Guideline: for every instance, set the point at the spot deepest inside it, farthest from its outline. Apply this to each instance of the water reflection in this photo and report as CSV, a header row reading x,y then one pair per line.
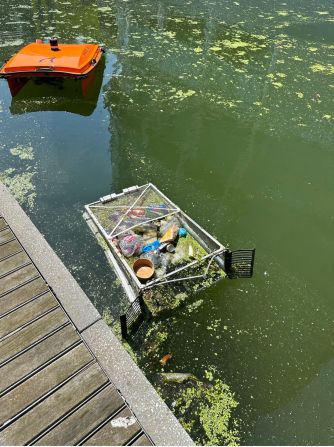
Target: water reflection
x,y
78,96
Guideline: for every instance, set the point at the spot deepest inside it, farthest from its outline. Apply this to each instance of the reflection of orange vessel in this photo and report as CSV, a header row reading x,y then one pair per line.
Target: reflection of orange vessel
x,y
51,94
50,59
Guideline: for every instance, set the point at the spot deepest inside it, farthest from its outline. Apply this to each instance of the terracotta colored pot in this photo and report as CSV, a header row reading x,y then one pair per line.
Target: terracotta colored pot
x,y
143,268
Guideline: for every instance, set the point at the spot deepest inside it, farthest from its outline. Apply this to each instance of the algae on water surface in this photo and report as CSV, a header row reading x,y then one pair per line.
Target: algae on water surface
x,y
206,410
205,407
20,185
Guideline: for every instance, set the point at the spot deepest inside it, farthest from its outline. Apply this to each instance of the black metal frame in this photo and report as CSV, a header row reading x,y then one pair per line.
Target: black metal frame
x,y
239,263
133,318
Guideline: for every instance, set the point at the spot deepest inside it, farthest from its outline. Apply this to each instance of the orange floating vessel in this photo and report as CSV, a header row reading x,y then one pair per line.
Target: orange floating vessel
x,y
52,59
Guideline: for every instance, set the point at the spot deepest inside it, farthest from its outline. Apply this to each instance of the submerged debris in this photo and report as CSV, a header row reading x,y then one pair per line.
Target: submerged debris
x,y
166,358
178,377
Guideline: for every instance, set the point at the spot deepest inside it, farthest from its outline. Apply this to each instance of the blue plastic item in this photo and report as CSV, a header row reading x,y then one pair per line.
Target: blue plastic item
x,y
161,205
182,232
150,247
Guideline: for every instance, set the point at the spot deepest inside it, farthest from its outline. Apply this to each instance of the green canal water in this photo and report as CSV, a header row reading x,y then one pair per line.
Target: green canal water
x,y
227,106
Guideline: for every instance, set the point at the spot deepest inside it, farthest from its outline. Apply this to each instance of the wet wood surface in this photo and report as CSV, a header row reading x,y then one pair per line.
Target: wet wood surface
x,y
52,389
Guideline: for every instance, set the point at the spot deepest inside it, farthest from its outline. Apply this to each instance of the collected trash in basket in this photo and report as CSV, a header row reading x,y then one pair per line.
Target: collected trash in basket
x,y
158,252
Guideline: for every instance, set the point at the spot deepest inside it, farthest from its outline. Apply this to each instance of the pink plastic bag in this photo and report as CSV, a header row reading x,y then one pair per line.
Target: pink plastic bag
x,y
131,245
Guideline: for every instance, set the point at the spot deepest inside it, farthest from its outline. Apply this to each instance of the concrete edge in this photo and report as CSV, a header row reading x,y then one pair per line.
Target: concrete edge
x,y
156,418
153,414
75,302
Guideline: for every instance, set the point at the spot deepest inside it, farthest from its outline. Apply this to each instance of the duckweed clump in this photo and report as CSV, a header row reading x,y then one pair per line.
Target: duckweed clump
x,y
207,411
23,152
20,185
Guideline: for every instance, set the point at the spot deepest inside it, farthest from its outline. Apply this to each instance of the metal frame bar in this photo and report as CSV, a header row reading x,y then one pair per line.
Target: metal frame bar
x,y
163,195
112,247
125,283
111,197
145,222
131,207
186,278
191,264
213,239
125,206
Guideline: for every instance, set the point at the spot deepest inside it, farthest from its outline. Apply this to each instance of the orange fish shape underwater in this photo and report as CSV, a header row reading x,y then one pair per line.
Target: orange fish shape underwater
x,y
165,358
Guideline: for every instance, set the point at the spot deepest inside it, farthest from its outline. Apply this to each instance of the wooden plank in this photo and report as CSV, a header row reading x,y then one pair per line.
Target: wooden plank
x,y
142,440
17,342
13,263
3,223
93,413
113,433
17,278
6,235
38,419
44,381
38,355
30,311
24,293
9,248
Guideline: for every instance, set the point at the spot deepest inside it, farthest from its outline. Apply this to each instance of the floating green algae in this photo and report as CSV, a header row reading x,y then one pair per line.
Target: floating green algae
x,y
322,68
180,95
107,317
277,84
207,411
205,408
23,152
240,62
235,44
20,185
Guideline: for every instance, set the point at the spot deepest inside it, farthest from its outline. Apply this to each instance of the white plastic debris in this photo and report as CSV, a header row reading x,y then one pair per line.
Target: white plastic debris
x,y
123,422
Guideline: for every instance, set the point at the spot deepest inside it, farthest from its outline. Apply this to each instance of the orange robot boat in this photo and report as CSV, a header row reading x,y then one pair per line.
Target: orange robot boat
x,y
52,59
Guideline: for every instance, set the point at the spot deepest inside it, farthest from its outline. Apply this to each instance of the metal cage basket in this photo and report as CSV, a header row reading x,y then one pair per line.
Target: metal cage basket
x,y
138,207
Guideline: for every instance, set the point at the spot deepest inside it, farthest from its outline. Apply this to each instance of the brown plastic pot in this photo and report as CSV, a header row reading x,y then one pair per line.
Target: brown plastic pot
x,y
144,269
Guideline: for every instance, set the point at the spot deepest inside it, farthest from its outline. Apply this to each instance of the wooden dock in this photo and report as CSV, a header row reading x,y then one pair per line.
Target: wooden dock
x,y
53,390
